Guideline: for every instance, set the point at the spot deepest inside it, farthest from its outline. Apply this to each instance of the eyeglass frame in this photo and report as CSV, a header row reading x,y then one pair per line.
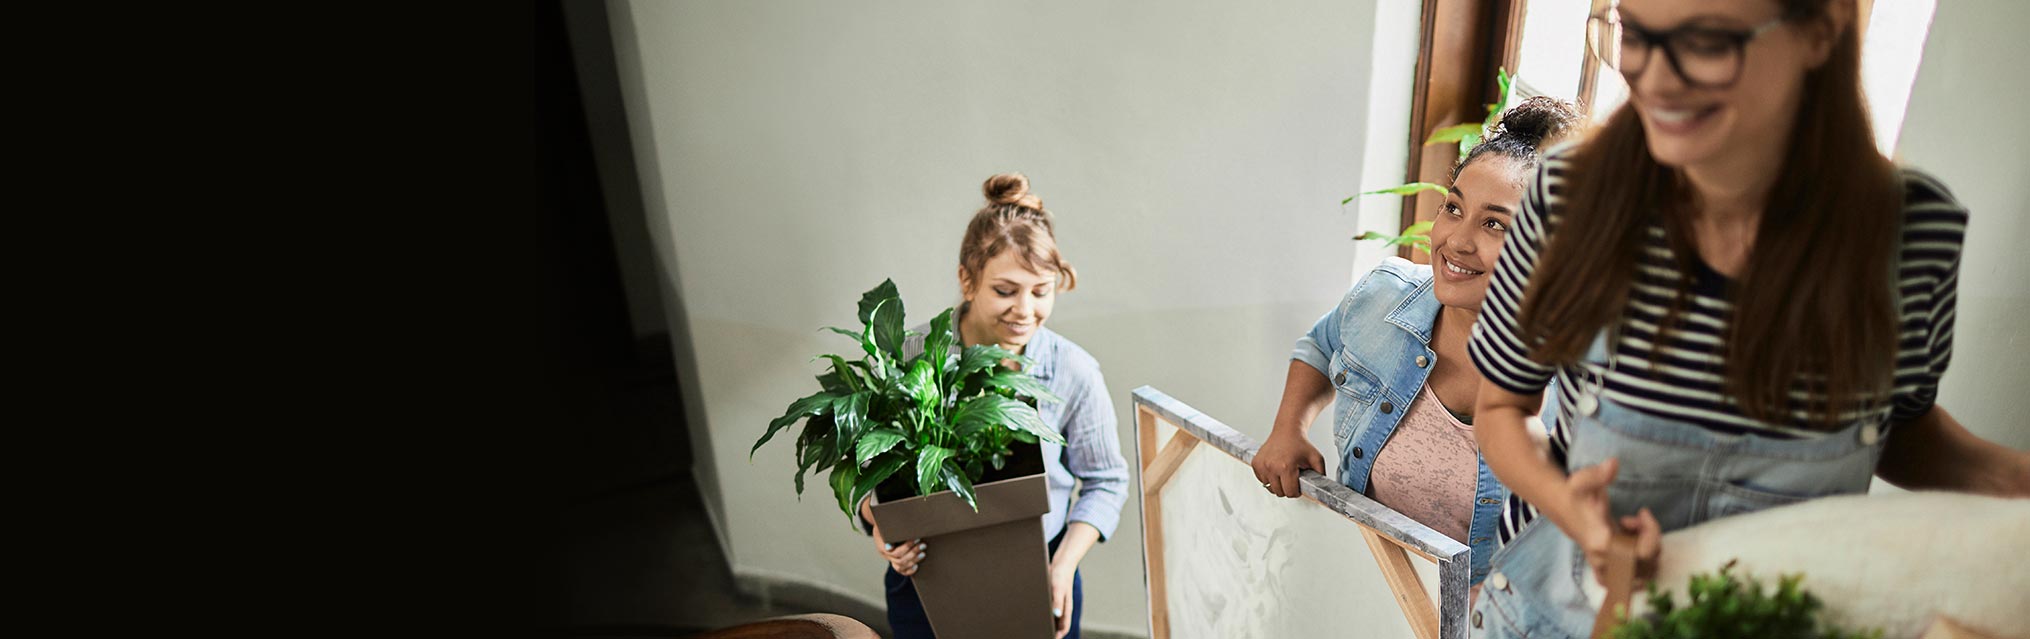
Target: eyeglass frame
x,y
1654,39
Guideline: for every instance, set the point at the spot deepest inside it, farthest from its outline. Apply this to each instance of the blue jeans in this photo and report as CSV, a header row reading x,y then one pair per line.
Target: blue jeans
x,y
907,620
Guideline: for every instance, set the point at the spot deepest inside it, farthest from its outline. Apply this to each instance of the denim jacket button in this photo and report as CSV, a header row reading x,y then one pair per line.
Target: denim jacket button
x,y
1498,580
1388,407
1423,361
1489,501
1357,452
1476,619
1339,379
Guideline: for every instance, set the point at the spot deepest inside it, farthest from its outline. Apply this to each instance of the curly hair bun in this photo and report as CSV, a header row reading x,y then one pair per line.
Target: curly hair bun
x,y
1538,118
1011,188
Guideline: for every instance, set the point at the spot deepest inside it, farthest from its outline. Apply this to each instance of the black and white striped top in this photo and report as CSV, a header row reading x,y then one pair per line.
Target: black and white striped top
x,y
1681,378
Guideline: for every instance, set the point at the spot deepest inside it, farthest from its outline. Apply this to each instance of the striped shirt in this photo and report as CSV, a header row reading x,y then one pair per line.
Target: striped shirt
x,y
1681,378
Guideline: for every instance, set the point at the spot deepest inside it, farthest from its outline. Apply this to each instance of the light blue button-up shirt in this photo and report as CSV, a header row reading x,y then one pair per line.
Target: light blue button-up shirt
x,y
1089,462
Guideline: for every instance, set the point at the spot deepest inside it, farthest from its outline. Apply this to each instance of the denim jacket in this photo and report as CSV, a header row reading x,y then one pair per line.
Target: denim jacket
x,y
1375,350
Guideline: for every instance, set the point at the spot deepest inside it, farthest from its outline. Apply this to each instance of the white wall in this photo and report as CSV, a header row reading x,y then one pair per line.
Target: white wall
x,y
1965,125
794,154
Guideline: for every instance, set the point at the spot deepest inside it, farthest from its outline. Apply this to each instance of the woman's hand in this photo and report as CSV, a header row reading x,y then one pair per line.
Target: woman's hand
x,y
905,558
1587,521
1061,580
1280,459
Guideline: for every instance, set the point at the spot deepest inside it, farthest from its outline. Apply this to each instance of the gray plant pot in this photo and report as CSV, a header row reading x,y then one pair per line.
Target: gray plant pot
x,y
990,578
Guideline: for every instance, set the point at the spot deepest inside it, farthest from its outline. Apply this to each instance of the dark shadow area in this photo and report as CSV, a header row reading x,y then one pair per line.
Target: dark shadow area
x,y
637,555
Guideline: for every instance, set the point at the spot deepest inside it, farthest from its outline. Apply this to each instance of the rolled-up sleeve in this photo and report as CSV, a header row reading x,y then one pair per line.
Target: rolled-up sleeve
x,y
1316,347
1093,454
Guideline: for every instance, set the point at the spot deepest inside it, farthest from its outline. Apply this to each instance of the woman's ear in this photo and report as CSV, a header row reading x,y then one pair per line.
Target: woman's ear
x,y
965,283
1823,34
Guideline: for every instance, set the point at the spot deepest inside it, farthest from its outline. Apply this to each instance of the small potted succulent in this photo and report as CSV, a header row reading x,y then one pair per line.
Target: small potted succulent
x,y
946,441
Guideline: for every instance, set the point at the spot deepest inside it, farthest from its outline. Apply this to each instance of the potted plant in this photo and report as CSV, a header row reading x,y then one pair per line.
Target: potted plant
x,y
1723,606
947,442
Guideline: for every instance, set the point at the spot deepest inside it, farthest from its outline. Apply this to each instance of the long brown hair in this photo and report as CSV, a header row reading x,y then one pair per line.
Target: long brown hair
x,y
1812,313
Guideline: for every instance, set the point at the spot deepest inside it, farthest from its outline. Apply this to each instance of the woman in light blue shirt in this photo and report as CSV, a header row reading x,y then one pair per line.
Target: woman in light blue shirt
x,y
1010,272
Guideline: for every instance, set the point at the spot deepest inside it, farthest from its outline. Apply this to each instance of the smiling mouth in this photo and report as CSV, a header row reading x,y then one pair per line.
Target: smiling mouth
x,y
1018,327
1680,117
1455,268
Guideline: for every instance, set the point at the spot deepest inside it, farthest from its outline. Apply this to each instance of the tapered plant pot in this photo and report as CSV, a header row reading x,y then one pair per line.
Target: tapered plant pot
x,y
989,578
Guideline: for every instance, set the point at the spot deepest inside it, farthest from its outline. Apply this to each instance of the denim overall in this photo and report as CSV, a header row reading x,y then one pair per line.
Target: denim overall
x,y
1683,473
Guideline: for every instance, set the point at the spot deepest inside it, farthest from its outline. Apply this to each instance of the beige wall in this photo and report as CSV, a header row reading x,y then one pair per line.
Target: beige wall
x,y
794,154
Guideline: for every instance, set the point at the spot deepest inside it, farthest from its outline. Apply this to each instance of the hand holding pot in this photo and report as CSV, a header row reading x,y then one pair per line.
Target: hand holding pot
x,y
906,557
1061,601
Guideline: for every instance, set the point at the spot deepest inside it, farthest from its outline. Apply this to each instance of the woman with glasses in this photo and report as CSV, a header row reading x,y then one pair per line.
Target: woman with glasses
x,y
1743,304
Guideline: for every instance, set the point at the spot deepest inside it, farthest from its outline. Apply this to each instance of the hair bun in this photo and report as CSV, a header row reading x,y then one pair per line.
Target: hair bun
x,y
1011,188
1538,118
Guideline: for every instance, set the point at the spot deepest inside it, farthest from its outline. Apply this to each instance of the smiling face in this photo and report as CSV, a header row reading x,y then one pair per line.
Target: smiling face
x,y
1007,302
1467,235
1744,123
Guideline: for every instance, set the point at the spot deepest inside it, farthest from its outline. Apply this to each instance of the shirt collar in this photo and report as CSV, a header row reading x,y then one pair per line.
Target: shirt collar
x,y
1418,311
1042,352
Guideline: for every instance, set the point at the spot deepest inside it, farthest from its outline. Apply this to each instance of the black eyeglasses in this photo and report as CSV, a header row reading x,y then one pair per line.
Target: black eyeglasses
x,y
1705,57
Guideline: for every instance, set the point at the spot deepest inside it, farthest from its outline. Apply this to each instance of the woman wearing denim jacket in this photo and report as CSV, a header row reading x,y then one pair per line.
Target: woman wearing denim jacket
x,y
1393,354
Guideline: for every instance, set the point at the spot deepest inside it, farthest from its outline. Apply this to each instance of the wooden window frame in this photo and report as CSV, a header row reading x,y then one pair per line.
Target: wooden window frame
x,y
1455,81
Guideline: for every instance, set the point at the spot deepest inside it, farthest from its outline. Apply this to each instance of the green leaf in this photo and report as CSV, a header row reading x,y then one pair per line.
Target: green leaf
x,y
987,411
867,343
876,442
843,479
1412,188
1420,228
1466,145
983,357
842,376
887,327
876,473
885,291
937,344
815,404
958,483
1454,133
1504,81
1022,384
921,384
929,466
848,415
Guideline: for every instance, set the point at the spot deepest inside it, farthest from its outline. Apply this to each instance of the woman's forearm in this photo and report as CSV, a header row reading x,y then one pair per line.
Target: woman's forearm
x,y
1079,538
1935,452
1512,454
1305,393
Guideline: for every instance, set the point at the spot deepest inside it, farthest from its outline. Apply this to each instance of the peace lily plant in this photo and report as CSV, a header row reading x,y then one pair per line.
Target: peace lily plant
x,y
934,421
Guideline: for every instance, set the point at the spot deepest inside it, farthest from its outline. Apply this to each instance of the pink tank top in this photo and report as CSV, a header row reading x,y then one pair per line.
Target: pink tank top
x,y
1428,468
